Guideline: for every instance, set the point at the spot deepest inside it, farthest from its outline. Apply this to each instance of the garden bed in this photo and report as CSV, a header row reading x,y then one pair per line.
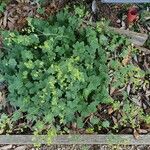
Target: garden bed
x,y
60,73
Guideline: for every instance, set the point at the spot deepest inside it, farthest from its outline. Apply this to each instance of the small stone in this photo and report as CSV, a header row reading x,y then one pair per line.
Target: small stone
x,y
124,17
7,147
118,21
21,148
123,24
94,6
123,28
141,147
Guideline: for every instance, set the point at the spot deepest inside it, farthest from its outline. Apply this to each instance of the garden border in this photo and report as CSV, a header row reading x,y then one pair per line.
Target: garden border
x,y
125,139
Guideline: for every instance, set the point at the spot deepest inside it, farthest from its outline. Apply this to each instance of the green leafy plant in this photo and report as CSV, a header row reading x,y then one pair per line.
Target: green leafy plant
x,y
131,115
56,71
2,7
5,124
106,124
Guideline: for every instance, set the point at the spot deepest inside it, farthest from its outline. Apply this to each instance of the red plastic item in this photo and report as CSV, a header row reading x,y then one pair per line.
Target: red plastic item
x,y
132,15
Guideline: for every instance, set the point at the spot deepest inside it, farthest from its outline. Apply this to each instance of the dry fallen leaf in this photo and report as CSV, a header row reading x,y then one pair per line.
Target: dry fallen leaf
x,y
11,20
136,134
10,25
14,15
94,6
110,110
74,125
112,90
142,131
114,120
1,22
2,98
5,19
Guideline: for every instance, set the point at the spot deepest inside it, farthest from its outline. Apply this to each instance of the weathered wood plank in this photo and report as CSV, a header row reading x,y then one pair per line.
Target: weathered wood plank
x,y
75,139
125,1
134,37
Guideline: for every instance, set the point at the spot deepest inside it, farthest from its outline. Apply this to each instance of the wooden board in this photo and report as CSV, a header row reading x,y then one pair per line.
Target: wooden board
x,y
125,1
136,38
76,139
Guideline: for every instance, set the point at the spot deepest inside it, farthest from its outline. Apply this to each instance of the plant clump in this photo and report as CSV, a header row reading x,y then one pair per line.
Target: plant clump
x,y
60,72
56,70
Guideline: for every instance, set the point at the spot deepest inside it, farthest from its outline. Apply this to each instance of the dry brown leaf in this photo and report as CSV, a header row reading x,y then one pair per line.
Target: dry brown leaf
x,y
145,126
26,8
148,93
5,19
15,14
10,12
21,21
1,22
19,11
112,90
136,134
146,65
119,115
74,125
2,98
26,13
10,25
142,131
99,107
114,120
110,110
11,20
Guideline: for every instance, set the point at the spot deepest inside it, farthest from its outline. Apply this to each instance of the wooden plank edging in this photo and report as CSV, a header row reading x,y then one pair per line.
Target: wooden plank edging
x,y
75,139
134,37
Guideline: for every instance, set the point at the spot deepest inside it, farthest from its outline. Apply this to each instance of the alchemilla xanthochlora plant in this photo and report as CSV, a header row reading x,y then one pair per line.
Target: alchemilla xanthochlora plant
x,y
56,70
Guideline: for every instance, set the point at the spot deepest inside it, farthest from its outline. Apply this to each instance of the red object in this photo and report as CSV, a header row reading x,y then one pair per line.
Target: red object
x,y
132,15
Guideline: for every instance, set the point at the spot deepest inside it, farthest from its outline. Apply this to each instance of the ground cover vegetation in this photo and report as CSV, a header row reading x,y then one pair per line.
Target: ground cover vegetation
x,y
63,75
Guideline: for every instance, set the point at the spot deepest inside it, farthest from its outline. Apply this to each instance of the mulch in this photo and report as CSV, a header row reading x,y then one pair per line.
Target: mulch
x,y
15,15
